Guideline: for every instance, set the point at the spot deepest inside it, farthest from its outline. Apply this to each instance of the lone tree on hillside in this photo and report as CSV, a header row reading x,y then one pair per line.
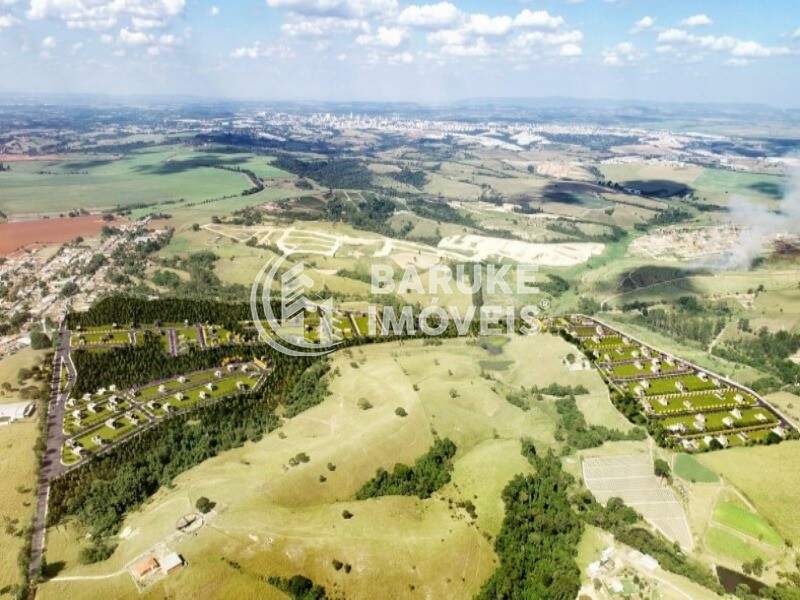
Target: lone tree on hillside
x,y
204,505
661,468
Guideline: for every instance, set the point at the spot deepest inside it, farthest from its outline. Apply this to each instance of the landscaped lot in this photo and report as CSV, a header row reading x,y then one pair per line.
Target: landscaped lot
x,y
133,409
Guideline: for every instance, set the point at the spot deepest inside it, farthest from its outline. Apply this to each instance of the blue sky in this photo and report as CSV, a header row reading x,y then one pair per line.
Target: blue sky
x,y
701,50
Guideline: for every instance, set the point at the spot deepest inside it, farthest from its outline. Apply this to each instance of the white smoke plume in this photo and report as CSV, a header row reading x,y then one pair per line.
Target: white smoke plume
x,y
761,224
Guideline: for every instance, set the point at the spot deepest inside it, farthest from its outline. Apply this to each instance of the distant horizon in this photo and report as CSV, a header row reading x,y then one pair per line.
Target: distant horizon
x,y
432,52
543,100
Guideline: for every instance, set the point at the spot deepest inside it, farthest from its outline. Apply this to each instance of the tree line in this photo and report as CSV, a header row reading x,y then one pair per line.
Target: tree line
x,y
429,473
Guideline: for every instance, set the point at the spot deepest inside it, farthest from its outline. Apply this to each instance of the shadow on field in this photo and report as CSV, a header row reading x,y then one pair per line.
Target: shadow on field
x,y
171,167
52,569
85,165
576,193
652,275
767,188
660,188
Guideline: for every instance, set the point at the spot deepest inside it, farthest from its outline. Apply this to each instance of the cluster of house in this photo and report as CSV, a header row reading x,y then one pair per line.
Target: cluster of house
x,y
611,564
651,364
106,400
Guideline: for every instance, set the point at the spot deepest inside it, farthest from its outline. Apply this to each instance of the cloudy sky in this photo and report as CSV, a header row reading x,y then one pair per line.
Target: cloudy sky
x,y
681,50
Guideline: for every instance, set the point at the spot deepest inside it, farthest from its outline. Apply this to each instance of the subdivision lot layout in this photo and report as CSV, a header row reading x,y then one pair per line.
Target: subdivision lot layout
x,y
631,478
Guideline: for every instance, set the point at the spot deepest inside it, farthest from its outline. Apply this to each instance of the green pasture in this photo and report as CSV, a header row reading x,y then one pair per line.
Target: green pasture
x,y
687,467
735,516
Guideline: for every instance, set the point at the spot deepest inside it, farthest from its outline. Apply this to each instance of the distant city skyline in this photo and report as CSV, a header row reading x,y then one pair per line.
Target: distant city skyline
x,y
390,50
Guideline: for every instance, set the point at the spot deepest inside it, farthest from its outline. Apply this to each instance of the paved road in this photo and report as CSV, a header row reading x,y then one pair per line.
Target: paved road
x,y
51,465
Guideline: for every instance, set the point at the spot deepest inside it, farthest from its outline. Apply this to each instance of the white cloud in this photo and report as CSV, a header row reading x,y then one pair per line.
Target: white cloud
x,y
258,50
697,21
338,8
49,42
213,11
570,50
737,62
526,40
478,49
141,23
485,25
622,53
7,21
388,37
403,58
429,16
153,51
452,37
76,47
725,43
321,26
796,33
642,24
103,14
133,38
107,38
752,49
538,19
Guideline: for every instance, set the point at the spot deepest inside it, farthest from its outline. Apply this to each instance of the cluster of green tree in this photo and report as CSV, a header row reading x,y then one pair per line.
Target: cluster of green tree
x,y
244,141
298,587
127,366
248,216
411,177
588,306
598,142
579,435
372,214
766,351
670,216
102,491
441,212
311,389
539,537
39,339
612,233
12,323
429,473
332,173
621,520
94,264
682,324
557,389
135,311
555,285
